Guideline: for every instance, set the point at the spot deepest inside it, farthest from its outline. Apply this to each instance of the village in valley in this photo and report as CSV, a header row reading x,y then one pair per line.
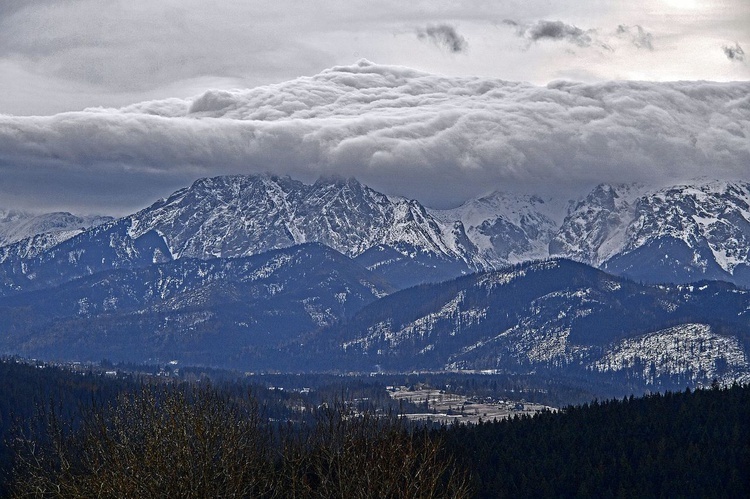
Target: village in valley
x,y
441,406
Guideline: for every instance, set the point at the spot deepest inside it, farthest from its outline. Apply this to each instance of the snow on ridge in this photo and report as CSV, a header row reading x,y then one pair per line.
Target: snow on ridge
x,y
16,226
242,215
510,205
712,213
507,228
686,349
613,220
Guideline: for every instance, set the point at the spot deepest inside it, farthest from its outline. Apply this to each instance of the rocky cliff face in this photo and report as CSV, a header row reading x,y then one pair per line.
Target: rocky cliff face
x,y
688,232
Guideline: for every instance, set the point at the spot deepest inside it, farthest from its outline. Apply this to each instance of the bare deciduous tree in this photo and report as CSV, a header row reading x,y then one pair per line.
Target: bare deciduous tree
x,y
192,441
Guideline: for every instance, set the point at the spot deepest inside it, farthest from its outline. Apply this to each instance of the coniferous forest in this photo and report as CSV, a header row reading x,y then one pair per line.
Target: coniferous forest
x,y
68,434
685,444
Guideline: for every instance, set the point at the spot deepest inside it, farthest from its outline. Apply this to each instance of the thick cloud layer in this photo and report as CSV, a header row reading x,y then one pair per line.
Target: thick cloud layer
x,y
438,139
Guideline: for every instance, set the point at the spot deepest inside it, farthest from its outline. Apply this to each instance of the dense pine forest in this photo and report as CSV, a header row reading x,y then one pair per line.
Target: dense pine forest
x,y
686,444
89,434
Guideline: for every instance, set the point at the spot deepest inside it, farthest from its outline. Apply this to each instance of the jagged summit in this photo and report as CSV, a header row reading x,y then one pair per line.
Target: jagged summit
x,y
704,228
240,215
595,226
507,227
243,215
679,233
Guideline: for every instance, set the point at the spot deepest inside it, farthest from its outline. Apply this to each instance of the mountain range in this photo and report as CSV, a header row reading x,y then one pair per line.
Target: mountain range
x,y
560,315
678,233
266,272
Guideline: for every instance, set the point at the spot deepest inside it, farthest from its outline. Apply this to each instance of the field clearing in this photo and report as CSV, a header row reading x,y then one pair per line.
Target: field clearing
x,y
444,407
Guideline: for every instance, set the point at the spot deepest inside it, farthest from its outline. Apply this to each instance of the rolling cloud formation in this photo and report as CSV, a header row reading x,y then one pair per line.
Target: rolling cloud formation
x,y
434,138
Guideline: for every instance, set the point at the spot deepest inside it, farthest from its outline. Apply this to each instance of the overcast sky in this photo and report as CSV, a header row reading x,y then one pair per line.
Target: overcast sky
x,y
165,79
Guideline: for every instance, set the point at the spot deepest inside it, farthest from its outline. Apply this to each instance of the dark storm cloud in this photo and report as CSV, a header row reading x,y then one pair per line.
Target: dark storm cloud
x,y
558,30
435,138
637,36
553,30
734,53
444,36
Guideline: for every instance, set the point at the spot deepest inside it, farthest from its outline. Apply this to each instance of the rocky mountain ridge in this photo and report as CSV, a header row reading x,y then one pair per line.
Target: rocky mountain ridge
x,y
268,272
239,216
242,215
679,233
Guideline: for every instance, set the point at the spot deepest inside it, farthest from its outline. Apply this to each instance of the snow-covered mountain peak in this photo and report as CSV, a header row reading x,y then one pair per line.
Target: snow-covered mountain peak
x,y
595,227
694,230
611,197
242,215
511,206
17,226
711,219
507,227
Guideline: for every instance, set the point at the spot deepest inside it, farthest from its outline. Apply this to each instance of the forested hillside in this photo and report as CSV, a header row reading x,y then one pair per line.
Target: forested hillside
x,y
150,435
687,444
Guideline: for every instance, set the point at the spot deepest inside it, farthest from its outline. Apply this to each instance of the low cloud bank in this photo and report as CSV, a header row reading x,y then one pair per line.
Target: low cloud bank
x,y
434,138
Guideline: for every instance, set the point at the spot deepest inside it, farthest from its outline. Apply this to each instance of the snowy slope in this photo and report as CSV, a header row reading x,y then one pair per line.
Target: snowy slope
x,y
595,227
563,316
235,216
17,226
506,227
692,350
680,233
673,234
239,216
688,232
